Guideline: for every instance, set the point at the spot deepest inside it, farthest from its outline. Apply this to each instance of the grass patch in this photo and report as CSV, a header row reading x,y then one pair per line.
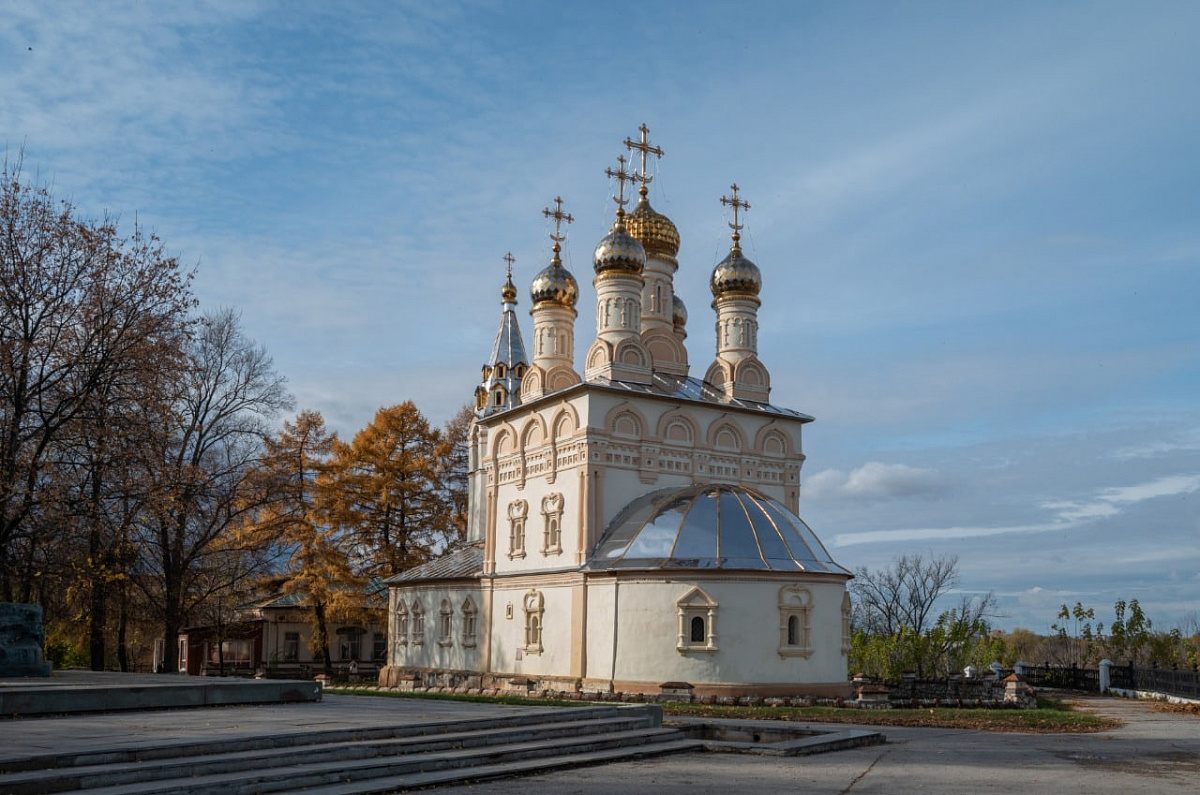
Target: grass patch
x,y
1050,717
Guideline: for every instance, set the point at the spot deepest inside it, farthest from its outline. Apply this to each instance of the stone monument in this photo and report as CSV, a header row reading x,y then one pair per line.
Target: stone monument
x,y
21,640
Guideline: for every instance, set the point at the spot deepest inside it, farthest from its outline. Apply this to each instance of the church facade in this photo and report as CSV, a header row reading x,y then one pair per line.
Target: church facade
x,y
632,527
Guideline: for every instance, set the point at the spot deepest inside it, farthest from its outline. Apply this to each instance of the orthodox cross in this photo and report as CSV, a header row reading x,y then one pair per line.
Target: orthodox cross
x,y
736,204
621,176
559,216
645,149
509,259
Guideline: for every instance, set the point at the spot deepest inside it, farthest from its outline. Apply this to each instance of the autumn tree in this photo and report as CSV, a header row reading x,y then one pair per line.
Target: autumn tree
x,y
202,461
293,472
384,494
88,320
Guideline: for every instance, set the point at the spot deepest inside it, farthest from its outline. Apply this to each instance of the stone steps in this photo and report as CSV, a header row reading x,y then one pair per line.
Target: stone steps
x,y
375,760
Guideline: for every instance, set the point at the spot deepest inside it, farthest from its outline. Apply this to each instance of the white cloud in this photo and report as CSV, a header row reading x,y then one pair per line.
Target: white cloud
x,y
1068,514
874,480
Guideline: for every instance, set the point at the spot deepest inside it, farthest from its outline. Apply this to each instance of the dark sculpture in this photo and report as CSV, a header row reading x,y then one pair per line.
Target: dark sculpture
x,y
21,641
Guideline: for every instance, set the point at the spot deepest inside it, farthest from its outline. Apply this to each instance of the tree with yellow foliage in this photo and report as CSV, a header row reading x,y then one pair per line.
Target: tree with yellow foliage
x,y
384,493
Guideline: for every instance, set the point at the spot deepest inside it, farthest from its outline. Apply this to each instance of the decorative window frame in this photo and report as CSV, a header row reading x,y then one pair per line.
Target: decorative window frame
x,y
400,624
795,621
534,604
518,510
552,514
470,624
446,624
696,604
418,623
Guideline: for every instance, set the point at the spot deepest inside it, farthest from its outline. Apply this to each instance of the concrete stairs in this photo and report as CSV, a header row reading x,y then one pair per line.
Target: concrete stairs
x,y
345,761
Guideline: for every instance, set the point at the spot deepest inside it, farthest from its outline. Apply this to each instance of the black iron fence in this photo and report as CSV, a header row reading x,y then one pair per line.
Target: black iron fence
x,y
1181,682
1063,678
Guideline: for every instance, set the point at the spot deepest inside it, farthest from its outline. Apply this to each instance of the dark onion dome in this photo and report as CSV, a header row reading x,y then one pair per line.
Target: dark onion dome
x,y
679,313
619,253
710,526
653,230
735,274
554,284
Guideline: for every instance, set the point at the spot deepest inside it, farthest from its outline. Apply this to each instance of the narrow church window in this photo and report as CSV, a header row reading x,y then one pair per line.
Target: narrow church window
x,y
446,623
469,630
517,511
418,624
795,611
401,628
534,605
552,511
697,623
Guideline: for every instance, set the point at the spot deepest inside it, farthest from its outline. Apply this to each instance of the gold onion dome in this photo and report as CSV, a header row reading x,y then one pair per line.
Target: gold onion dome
x,y
654,230
735,274
679,314
508,293
619,253
555,285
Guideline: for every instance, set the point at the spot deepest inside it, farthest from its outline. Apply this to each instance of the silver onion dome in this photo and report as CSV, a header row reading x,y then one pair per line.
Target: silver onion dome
x,y
554,284
619,252
735,274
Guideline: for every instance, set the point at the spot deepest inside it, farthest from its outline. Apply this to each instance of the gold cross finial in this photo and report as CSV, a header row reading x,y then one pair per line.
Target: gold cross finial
x,y
559,217
645,149
509,259
736,204
621,176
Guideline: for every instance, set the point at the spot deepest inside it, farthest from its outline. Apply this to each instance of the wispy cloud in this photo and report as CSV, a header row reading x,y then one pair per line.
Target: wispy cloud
x,y
874,481
1067,514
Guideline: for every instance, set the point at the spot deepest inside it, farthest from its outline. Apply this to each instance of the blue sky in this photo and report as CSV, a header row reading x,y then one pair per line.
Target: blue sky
x,y
978,226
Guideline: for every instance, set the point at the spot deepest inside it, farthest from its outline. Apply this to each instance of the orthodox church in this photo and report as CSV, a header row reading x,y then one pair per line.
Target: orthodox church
x,y
633,528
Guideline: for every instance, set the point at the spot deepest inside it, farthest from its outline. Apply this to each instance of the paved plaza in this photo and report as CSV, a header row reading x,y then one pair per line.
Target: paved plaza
x,y
1154,752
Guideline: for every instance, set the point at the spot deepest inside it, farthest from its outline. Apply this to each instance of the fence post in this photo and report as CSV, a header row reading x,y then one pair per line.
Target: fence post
x,y
1105,675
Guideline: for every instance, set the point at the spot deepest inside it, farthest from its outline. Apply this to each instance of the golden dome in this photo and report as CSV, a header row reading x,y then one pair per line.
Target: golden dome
x,y
619,253
653,230
508,293
735,274
555,285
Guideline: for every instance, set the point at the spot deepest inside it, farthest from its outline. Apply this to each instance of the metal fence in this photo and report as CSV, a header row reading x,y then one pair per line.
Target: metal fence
x,y
1170,681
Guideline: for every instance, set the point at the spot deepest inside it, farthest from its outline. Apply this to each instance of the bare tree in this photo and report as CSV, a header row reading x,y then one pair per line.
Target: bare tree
x,y
902,594
203,463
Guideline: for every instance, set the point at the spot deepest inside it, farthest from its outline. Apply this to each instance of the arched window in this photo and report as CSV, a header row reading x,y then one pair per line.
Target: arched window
x,y
469,623
795,615
697,623
418,624
535,608
445,623
517,511
697,629
552,511
400,628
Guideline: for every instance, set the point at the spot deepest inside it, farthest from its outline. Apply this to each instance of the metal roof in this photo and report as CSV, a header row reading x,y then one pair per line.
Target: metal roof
x,y
466,562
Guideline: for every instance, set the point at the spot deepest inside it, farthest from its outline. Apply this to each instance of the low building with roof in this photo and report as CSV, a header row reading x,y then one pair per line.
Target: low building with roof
x,y
630,525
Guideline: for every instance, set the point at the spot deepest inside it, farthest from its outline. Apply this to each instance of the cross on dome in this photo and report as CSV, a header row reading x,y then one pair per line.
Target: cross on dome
x,y
621,176
559,217
509,259
736,204
645,149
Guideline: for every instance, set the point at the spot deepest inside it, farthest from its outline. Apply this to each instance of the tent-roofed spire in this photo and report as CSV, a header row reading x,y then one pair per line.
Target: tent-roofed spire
x,y
500,388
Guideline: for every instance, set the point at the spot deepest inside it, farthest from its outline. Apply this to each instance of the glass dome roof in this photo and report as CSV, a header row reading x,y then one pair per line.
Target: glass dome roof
x,y
710,526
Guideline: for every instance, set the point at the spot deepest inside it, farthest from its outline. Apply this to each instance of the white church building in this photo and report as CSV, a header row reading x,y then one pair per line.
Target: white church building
x,y
633,527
